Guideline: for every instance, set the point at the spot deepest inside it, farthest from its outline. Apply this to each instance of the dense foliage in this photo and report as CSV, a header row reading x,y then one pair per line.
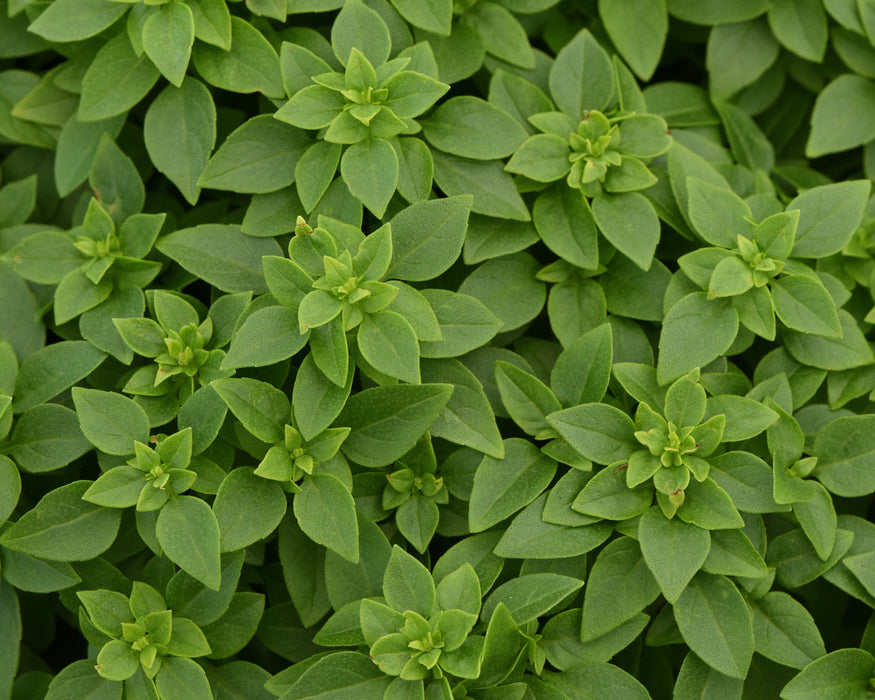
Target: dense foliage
x,y
397,349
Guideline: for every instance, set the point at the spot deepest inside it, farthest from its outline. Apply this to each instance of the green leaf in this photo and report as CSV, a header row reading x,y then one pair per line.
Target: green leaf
x,y
828,217
804,304
80,679
745,418
221,255
212,22
388,343
74,20
465,324
262,408
258,156
842,673
370,170
63,527
530,596
473,128
189,535
265,337
326,513
117,661
247,64
407,584
504,486
608,496
674,551
119,487
565,223
492,188
697,679
817,517
181,120
46,438
801,27
599,432
427,237
738,54
529,536
45,257
115,81
417,519
182,679
695,331
168,36
415,168
749,144
784,630
619,586
582,77
733,554
330,352
10,618
110,421
340,675
715,622
629,222
316,400
718,214
358,26
600,679
508,286
431,16
527,400
847,352
502,34
10,481
315,170
582,371
387,421
116,182
248,508
833,126
467,419
845,457
542,157
709,506
52,369
638,29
